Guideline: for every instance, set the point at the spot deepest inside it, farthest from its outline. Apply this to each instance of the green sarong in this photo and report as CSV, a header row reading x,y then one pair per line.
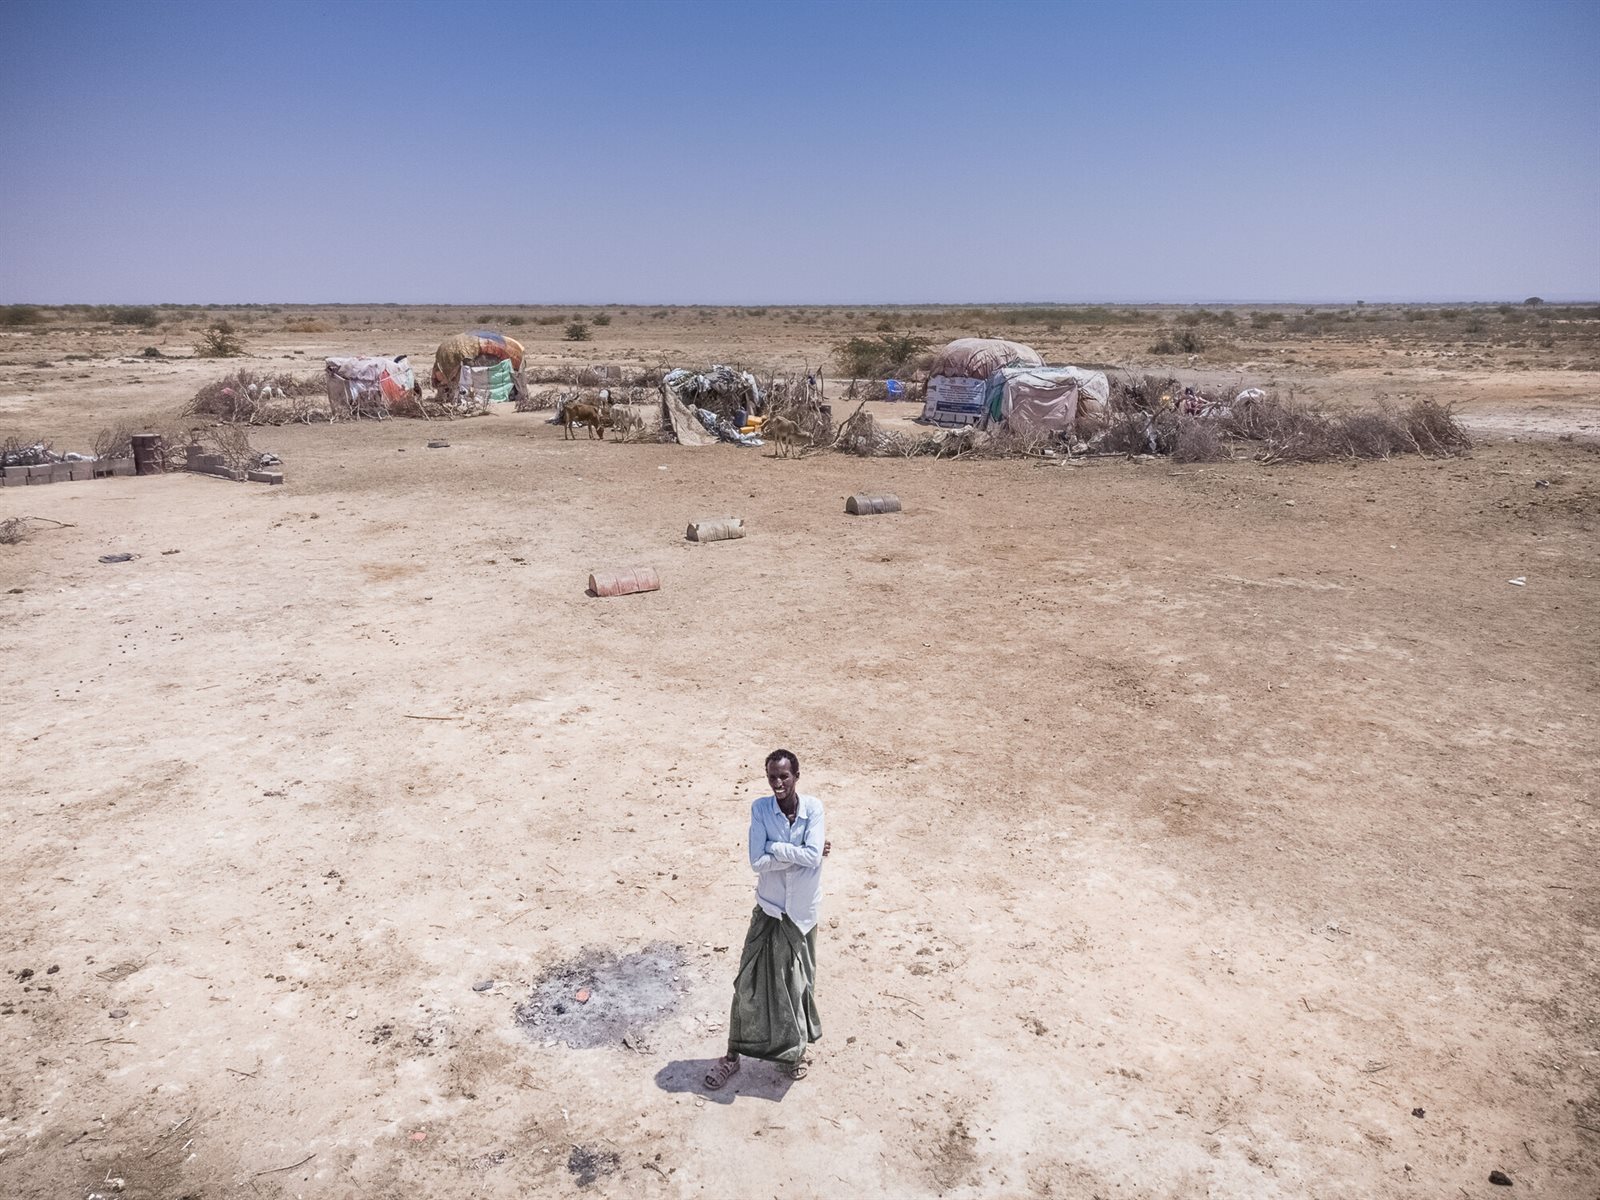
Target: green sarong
x,y
774,1012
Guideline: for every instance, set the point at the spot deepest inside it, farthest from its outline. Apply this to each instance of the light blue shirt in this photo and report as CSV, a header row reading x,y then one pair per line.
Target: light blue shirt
x,y
787,860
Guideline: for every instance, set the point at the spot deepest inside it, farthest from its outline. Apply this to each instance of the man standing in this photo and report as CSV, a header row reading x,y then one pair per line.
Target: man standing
x,y
774,1011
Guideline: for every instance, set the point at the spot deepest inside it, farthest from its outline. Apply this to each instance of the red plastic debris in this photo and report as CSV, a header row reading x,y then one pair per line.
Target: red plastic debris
x,y
583,995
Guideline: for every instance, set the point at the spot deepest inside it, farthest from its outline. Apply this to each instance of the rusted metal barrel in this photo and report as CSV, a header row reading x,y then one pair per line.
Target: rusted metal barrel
x,y
716,531
624,583
864,504
149,454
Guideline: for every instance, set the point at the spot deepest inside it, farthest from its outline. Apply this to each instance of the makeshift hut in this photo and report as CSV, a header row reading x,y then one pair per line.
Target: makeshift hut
x,y
958,381
696,408
366,387
480,367
1029,399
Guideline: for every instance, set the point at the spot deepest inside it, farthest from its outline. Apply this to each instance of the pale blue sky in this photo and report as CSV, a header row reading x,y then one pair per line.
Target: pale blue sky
x,y
732,153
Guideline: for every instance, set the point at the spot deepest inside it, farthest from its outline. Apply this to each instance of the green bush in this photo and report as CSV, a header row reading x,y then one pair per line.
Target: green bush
x,y
142,315
21,314
1181,341
884,356
602,319
577,331
220,340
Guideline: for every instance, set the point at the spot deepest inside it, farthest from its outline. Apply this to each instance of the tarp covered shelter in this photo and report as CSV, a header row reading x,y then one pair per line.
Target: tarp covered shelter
x,y
483,348
959,378
684,392
366,387
678,411
1046,399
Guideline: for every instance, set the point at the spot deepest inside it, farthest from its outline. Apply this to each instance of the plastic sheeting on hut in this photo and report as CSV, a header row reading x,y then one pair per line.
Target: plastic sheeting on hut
x,y
684,392
1047,399
959,379
366,387
481,348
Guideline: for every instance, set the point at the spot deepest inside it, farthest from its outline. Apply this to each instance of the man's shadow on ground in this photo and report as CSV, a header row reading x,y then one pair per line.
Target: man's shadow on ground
x,y
755,1079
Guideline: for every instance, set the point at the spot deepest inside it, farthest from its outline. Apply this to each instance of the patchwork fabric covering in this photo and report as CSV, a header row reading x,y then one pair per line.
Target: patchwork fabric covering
x,y
959,379
481,348
366,387
487,385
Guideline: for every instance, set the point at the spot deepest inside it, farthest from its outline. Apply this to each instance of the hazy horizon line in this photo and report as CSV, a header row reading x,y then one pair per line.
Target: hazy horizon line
x,y
875,304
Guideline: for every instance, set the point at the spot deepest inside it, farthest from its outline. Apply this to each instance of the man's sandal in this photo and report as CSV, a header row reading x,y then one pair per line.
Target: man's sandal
x,y
798,1070
725,1070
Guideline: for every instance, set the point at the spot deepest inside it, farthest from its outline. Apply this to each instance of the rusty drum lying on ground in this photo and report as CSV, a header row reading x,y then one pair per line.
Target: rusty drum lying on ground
x,y
624,583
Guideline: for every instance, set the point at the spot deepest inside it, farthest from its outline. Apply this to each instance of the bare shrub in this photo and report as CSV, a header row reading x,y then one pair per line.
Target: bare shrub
x,y
13,530
230,442
115,441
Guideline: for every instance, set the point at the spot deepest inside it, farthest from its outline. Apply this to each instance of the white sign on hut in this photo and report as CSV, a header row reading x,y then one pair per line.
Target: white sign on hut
x,y
959,380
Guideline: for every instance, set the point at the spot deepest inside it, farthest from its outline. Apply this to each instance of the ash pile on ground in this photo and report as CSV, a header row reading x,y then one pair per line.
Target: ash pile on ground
x,y
626,995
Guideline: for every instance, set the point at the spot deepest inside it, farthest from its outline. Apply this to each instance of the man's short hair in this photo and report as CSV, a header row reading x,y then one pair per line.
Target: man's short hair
x,y
794,762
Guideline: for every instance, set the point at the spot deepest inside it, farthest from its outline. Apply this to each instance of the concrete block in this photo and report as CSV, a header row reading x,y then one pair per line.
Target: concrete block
x,y
61,472
122,466
204,462
16,476
41,473
82,470
102,468
265,476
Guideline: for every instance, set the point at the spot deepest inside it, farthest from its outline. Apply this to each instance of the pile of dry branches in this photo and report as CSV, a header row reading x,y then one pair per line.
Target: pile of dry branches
x,y
1285,431
1145,419
21,452
247,397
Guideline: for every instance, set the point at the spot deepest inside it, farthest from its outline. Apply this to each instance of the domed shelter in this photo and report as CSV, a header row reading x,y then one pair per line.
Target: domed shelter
x,y
483,366
959,378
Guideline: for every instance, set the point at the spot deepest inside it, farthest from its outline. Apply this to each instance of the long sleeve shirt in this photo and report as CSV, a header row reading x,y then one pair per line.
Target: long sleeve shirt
x,y
787,860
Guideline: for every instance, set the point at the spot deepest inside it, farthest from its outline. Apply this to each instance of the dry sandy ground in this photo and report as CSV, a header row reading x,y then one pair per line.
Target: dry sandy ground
x,y
1223,831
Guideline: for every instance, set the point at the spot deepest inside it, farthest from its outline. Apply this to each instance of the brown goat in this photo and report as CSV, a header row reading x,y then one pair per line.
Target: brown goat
x,y
587,415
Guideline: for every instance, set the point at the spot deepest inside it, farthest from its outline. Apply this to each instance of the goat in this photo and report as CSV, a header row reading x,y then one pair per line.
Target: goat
x,y
784,434
587,415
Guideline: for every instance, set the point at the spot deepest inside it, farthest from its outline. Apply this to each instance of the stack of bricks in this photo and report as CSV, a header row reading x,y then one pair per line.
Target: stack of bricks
x,y
65,472
213,464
